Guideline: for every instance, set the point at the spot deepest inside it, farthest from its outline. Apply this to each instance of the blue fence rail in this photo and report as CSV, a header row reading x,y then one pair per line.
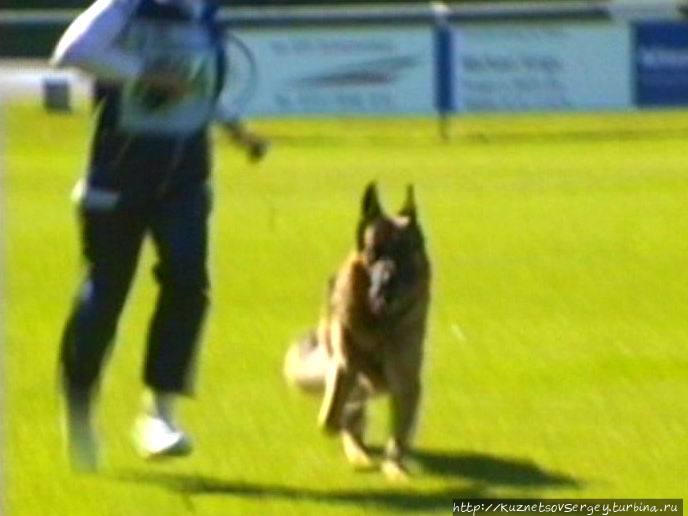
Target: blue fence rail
x,y
243,17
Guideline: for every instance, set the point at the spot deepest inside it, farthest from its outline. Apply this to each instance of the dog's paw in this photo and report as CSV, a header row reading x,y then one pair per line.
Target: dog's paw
x,y
395,471
355,453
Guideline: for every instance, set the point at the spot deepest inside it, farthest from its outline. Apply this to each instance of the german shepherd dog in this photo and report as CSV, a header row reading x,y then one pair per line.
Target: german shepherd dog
x,y
370,336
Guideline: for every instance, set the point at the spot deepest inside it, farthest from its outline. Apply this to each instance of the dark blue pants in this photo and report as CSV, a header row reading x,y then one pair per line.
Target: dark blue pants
x,y
159,190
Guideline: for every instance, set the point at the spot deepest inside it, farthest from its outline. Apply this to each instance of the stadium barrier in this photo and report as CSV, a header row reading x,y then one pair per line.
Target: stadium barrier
x,y
436,58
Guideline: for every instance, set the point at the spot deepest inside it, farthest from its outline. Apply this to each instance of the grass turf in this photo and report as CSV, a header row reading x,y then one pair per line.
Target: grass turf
x,y
558,347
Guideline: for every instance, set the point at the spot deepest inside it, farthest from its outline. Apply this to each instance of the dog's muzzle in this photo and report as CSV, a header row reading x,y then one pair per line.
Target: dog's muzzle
x,y
381,276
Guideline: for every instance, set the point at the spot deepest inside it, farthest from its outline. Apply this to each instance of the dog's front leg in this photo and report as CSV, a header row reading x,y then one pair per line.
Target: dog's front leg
x,y
403,374
403,412
339,382
353,430
404,408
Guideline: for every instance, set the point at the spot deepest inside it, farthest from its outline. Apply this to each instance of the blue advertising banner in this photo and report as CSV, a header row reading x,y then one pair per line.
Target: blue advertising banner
x,y
661,64
351,70
546,67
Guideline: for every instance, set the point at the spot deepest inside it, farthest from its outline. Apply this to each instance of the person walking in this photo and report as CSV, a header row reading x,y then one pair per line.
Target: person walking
x,y
159,67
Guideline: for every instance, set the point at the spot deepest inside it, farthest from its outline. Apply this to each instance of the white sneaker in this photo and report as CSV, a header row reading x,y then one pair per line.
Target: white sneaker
x,y
155,437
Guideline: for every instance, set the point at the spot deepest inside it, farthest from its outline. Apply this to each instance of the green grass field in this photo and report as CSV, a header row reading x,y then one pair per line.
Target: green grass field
x,y
557,361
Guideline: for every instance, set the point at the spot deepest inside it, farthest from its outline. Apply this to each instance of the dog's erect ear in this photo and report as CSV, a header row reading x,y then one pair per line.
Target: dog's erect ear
x,y
409,207
370,206
370,210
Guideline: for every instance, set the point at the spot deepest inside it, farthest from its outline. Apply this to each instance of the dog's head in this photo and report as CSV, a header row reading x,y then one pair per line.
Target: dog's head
x,y
392,251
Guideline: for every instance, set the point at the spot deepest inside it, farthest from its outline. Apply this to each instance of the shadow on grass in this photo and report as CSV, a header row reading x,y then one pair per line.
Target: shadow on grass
x,y
491,470
481,472
390,499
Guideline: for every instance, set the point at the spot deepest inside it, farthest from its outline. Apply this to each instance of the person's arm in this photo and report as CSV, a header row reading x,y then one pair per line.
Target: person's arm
x,y
89,43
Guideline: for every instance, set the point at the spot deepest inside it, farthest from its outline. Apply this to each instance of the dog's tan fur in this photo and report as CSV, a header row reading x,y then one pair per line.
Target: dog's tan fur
x,y
370,337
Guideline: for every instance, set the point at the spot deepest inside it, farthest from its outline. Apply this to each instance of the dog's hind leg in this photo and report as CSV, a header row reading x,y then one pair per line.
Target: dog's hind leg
x,y
340,381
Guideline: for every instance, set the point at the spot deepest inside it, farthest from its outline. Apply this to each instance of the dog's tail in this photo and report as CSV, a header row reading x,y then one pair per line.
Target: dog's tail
x,y
305,364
